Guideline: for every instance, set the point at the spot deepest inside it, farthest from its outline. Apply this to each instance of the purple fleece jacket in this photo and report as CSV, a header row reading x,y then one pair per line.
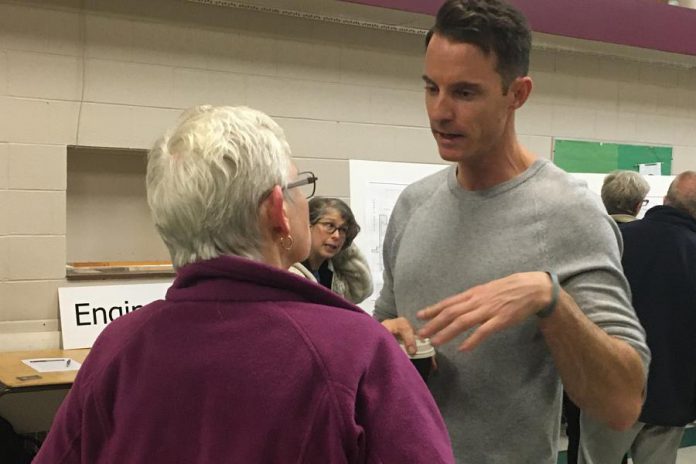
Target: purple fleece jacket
x,y
244,363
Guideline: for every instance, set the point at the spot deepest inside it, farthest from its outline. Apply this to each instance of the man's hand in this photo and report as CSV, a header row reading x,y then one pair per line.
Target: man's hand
x,y
402,329
493,306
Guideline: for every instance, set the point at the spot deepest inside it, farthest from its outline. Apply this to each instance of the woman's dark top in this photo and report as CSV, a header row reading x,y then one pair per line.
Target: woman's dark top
x,y
324,275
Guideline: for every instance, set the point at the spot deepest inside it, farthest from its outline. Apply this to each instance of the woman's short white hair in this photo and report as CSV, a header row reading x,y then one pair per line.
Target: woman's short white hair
x,y
206,178
623,190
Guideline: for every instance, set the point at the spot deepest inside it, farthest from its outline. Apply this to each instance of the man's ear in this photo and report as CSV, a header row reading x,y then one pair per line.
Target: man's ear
x,y
520,89
275,213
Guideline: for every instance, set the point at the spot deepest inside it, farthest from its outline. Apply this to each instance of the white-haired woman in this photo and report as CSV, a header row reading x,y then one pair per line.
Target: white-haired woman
x,y
623,195
243,361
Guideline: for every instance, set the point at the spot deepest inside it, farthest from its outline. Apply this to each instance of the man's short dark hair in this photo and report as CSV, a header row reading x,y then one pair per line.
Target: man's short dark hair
x,y
491,25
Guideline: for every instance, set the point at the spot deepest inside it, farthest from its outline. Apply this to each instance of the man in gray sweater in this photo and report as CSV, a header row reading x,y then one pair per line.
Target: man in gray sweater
x,y
515,265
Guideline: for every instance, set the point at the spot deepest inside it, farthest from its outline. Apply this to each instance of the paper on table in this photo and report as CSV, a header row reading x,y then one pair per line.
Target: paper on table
x,y
52,364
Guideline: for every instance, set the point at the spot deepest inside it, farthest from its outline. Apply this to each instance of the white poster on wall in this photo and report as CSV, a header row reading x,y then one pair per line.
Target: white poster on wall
x,y
86,311
374,189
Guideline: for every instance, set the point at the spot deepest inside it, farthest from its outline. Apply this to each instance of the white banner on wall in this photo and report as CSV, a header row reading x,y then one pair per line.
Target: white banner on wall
x,y
86,311
374,189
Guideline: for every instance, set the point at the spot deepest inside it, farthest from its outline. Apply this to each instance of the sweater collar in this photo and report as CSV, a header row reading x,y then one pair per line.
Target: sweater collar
x,y
496,190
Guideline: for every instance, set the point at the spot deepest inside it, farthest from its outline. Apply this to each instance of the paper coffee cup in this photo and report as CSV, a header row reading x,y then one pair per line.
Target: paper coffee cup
x,y
423,349
422,358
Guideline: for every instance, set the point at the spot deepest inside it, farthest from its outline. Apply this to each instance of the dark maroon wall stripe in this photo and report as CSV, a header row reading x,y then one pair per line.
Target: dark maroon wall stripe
x,y
638,23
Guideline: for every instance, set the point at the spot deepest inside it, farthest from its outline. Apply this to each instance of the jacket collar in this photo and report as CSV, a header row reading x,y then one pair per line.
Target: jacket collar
x,y
233,278
664,213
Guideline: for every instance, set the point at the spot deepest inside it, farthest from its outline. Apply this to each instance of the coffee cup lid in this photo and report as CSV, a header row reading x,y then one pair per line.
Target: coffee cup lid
x,y
423,349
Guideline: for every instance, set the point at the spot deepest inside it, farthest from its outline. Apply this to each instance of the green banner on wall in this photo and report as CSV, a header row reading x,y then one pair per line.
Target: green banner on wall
x,y
602,157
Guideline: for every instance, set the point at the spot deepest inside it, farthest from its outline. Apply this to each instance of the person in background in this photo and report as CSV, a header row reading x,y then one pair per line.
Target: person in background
x,y
659,260
333,260
243,361
623,195
512,261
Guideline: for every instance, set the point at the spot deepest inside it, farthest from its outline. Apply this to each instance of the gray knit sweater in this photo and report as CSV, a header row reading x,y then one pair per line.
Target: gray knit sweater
x,y
501,402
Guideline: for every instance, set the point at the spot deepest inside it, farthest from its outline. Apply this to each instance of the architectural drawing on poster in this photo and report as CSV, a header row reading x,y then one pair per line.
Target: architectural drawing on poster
x,y
374,188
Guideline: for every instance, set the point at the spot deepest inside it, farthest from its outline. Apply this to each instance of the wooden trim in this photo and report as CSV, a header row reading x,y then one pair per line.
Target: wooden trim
x,y
99,270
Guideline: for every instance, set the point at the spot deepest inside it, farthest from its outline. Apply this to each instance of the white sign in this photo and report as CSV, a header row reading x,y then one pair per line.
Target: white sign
x,y
650,169
374,188
85,311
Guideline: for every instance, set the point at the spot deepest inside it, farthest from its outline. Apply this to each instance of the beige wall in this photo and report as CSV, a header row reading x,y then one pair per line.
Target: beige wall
x,y
107,214
118,74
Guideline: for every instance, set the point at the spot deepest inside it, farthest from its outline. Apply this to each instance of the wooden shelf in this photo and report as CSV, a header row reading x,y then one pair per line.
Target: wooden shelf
x,y
98,270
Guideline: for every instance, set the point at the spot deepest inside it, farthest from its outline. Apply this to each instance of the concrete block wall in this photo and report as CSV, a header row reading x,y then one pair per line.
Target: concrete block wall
x,y
117,74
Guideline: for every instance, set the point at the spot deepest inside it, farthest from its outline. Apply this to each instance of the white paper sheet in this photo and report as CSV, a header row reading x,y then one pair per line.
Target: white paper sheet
x,y
650,169
52,364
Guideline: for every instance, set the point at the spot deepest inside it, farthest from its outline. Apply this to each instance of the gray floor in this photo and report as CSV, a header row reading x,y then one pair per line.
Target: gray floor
x,y
686,455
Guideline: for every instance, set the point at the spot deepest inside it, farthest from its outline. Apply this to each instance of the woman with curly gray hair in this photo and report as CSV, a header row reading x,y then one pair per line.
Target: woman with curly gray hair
x,y
333,260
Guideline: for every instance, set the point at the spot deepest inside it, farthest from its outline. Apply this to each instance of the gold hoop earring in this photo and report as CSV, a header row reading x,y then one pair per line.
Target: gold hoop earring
x,y
287,246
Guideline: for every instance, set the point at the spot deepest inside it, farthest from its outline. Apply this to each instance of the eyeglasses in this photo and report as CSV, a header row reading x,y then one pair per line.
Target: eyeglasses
x,y
307,183
330,228
645,202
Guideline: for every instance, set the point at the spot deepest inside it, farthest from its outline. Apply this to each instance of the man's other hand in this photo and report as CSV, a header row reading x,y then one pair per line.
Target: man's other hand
x,y
493,306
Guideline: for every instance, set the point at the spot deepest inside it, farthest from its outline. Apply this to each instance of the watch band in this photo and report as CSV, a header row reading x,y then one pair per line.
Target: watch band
x,y
555,290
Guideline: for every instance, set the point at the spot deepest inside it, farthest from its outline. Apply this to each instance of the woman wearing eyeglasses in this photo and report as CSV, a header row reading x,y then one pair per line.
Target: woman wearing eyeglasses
x,y
623,195
242,361
333,260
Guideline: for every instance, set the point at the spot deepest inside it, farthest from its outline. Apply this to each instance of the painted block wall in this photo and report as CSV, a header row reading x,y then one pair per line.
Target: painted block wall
x,y
116,74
